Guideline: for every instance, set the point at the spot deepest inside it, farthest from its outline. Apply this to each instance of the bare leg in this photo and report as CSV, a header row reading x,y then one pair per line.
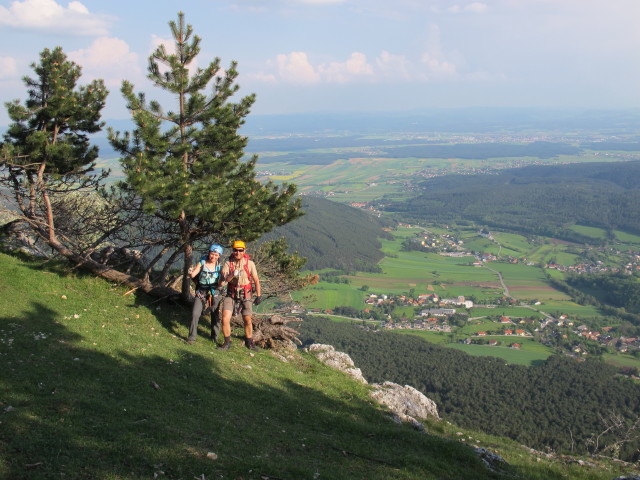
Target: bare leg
x,y
226,323
248,326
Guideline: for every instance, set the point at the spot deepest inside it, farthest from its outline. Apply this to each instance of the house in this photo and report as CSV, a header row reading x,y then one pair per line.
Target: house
x,y
438,312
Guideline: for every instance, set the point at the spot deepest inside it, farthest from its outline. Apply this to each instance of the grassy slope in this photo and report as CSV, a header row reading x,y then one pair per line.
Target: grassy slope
x,y
101,385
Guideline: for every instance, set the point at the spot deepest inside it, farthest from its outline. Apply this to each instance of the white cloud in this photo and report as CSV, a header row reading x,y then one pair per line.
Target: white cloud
x,y
392,66
110,59
8,68
319,2
295,68
475,7
438,67
343,72
49,16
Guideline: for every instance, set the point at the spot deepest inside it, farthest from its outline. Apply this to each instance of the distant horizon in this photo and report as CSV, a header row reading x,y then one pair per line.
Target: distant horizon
x,y
313,56
445,118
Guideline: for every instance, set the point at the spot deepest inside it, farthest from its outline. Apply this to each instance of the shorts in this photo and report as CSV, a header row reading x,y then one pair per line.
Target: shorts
x,y
247,306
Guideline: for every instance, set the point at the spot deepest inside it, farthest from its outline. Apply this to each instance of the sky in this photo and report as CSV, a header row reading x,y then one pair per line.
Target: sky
x,y
325,56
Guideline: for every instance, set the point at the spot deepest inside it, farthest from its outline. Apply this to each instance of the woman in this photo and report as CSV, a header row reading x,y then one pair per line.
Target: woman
x,y
208,272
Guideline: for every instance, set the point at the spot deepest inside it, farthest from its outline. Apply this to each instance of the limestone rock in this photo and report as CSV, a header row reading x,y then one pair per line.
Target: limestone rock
x,y
492,461
339,360
405,401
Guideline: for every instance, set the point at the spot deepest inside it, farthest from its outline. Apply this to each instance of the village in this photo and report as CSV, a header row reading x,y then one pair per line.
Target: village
x,y
449,315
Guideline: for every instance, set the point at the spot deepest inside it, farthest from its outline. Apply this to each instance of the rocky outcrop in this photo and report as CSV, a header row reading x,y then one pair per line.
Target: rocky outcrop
x,y
405,402
492,461
338,360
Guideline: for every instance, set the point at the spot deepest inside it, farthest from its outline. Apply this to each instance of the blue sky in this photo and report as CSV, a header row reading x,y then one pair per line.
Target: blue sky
x,y
350,55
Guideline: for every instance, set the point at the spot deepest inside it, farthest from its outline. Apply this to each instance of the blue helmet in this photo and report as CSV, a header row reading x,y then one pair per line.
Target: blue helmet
x,y
216,248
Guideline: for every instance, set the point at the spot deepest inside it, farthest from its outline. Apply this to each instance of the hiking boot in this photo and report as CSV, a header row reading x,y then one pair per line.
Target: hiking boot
x,y
225,346
249,344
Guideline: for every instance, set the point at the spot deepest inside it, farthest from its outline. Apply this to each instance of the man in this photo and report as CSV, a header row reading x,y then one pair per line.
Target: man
x,y
241,277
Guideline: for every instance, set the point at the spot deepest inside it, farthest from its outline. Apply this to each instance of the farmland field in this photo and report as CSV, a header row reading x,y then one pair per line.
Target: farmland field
x,y
529,353
522,356
448,277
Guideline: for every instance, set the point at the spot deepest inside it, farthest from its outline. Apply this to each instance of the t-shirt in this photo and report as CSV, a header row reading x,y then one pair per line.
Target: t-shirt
x,y
243,279
208,277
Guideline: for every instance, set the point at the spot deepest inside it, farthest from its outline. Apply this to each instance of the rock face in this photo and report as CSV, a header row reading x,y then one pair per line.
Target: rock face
x,y
405,402
338,360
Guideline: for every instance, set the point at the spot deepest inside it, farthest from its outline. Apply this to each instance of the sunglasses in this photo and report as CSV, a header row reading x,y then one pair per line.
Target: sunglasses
x,y
238,250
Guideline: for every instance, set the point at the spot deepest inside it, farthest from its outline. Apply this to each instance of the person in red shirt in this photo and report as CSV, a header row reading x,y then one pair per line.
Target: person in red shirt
x,y
240,276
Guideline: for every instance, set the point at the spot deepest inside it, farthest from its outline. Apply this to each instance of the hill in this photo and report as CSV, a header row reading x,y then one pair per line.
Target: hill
x,y
332,235
98,383
537,406
535,199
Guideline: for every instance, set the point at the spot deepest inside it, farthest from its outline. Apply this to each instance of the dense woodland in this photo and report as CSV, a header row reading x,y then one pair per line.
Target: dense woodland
x,y
559,404
401,149
541,200
331,235
618,290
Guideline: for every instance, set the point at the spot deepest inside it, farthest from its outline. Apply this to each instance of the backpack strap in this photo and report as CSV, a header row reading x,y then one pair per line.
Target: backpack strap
x,y
247,289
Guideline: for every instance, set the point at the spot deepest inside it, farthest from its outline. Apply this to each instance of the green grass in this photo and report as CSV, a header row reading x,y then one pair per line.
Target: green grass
x,y
522,356
507,311
622,360
326,295
97,384
569,308
593,232
627,237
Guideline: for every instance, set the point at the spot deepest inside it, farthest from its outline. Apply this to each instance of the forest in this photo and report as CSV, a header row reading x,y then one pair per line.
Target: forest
x,y
540,200
618,290
401,149
331,235
562,404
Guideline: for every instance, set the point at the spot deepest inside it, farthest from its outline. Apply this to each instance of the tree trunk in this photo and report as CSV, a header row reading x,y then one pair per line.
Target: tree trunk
x,y
271,331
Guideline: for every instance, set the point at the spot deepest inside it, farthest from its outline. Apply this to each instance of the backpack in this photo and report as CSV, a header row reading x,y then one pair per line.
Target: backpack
x,y
250,287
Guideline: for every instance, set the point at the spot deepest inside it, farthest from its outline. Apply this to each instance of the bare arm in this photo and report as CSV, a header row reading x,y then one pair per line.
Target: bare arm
x,y
194,271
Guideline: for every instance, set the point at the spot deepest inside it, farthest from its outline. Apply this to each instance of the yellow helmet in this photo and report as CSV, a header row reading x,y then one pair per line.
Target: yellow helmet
x,y
238,244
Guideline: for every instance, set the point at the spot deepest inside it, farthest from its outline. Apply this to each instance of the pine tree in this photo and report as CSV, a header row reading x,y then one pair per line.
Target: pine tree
x,y
47,158
187,166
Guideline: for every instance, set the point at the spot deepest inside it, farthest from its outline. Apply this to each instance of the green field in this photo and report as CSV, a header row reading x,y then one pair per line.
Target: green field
x,y
627,237
449,277
507,311
526,282
570,308
527,354
623,360
593,232
328,295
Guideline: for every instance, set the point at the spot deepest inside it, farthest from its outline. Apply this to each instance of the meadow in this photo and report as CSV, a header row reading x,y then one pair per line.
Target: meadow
x,y
528,354
414,273
100,384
